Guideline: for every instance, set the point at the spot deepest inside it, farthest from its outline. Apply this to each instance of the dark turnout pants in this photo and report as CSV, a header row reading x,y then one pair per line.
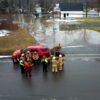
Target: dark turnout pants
x,y
44,67
35,62
22,69
28,71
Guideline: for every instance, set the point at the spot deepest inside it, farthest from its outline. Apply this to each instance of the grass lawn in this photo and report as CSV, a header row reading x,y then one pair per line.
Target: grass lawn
x,y
17,40
92,28
89,20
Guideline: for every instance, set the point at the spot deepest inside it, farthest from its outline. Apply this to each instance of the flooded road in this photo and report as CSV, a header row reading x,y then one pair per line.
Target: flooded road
x,y
48,32
51,35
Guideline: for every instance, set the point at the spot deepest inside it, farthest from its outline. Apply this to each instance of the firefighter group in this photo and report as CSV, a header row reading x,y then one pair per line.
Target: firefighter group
x,y
27,61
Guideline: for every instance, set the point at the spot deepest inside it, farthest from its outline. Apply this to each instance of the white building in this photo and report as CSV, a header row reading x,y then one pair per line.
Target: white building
x,y
68,10
93,13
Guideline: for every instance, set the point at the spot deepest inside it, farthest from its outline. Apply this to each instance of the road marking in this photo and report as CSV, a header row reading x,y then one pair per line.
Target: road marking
x,y
84,57
83,54
5,56
5,61
74,46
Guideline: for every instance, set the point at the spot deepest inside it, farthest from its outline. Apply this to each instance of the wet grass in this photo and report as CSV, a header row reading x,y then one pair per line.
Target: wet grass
x,y
92,28
89,20
17,40
65,27
26,18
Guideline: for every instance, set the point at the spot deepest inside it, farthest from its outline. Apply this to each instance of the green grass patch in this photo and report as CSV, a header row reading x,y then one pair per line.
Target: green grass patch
x,y
92,28
89,20
17,40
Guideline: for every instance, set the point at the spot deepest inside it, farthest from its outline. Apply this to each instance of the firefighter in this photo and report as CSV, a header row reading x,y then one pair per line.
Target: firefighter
x,y
57,54
22,56
60,62
28,68
54,64
28,54
44,63
21,63
35,58
52,53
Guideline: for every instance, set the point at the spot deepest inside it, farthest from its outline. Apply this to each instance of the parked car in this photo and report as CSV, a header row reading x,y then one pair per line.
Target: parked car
x,y
42,50
16,54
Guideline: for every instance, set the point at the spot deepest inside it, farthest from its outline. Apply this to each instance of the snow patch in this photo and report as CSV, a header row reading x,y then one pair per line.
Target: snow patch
x,y
4,33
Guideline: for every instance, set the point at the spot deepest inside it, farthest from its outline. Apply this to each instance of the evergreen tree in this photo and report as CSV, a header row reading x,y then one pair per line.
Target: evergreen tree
x,y
3,6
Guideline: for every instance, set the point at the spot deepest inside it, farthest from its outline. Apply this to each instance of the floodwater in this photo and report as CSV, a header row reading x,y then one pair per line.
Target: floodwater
x,y
48,32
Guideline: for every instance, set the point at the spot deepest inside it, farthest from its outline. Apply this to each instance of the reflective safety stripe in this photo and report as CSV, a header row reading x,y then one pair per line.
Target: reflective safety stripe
x,y
54,65
35,57
21,62
45,60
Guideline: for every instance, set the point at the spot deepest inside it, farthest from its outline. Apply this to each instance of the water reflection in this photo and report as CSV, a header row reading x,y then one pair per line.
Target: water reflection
x,y
50,34
27,81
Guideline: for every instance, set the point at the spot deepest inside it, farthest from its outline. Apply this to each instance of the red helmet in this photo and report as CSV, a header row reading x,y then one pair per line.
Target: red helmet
x,y
35,52
44,56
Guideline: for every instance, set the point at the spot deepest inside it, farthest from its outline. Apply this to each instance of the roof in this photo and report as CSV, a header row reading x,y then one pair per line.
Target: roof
x,y
71,6
36,46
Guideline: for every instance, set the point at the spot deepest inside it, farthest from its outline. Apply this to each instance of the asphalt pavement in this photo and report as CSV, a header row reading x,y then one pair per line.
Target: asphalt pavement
x,y
80,80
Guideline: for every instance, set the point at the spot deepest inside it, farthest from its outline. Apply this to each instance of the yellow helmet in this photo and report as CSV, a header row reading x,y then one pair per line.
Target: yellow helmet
x,y
54,58
28,51
22,54
60,55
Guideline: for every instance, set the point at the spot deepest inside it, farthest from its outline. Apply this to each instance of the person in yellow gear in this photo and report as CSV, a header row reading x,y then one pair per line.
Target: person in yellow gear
x,y
54,64
23,56
60,63
28,54
21,63
35,58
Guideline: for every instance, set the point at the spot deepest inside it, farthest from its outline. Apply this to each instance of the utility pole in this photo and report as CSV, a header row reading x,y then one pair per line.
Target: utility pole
x,y
86,10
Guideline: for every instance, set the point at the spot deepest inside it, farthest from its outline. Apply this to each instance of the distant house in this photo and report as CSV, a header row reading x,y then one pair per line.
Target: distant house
x,y
71,10
38,10
93,13
56,8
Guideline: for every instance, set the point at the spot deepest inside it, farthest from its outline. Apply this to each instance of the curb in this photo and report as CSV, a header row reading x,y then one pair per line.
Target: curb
x,y
9,56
